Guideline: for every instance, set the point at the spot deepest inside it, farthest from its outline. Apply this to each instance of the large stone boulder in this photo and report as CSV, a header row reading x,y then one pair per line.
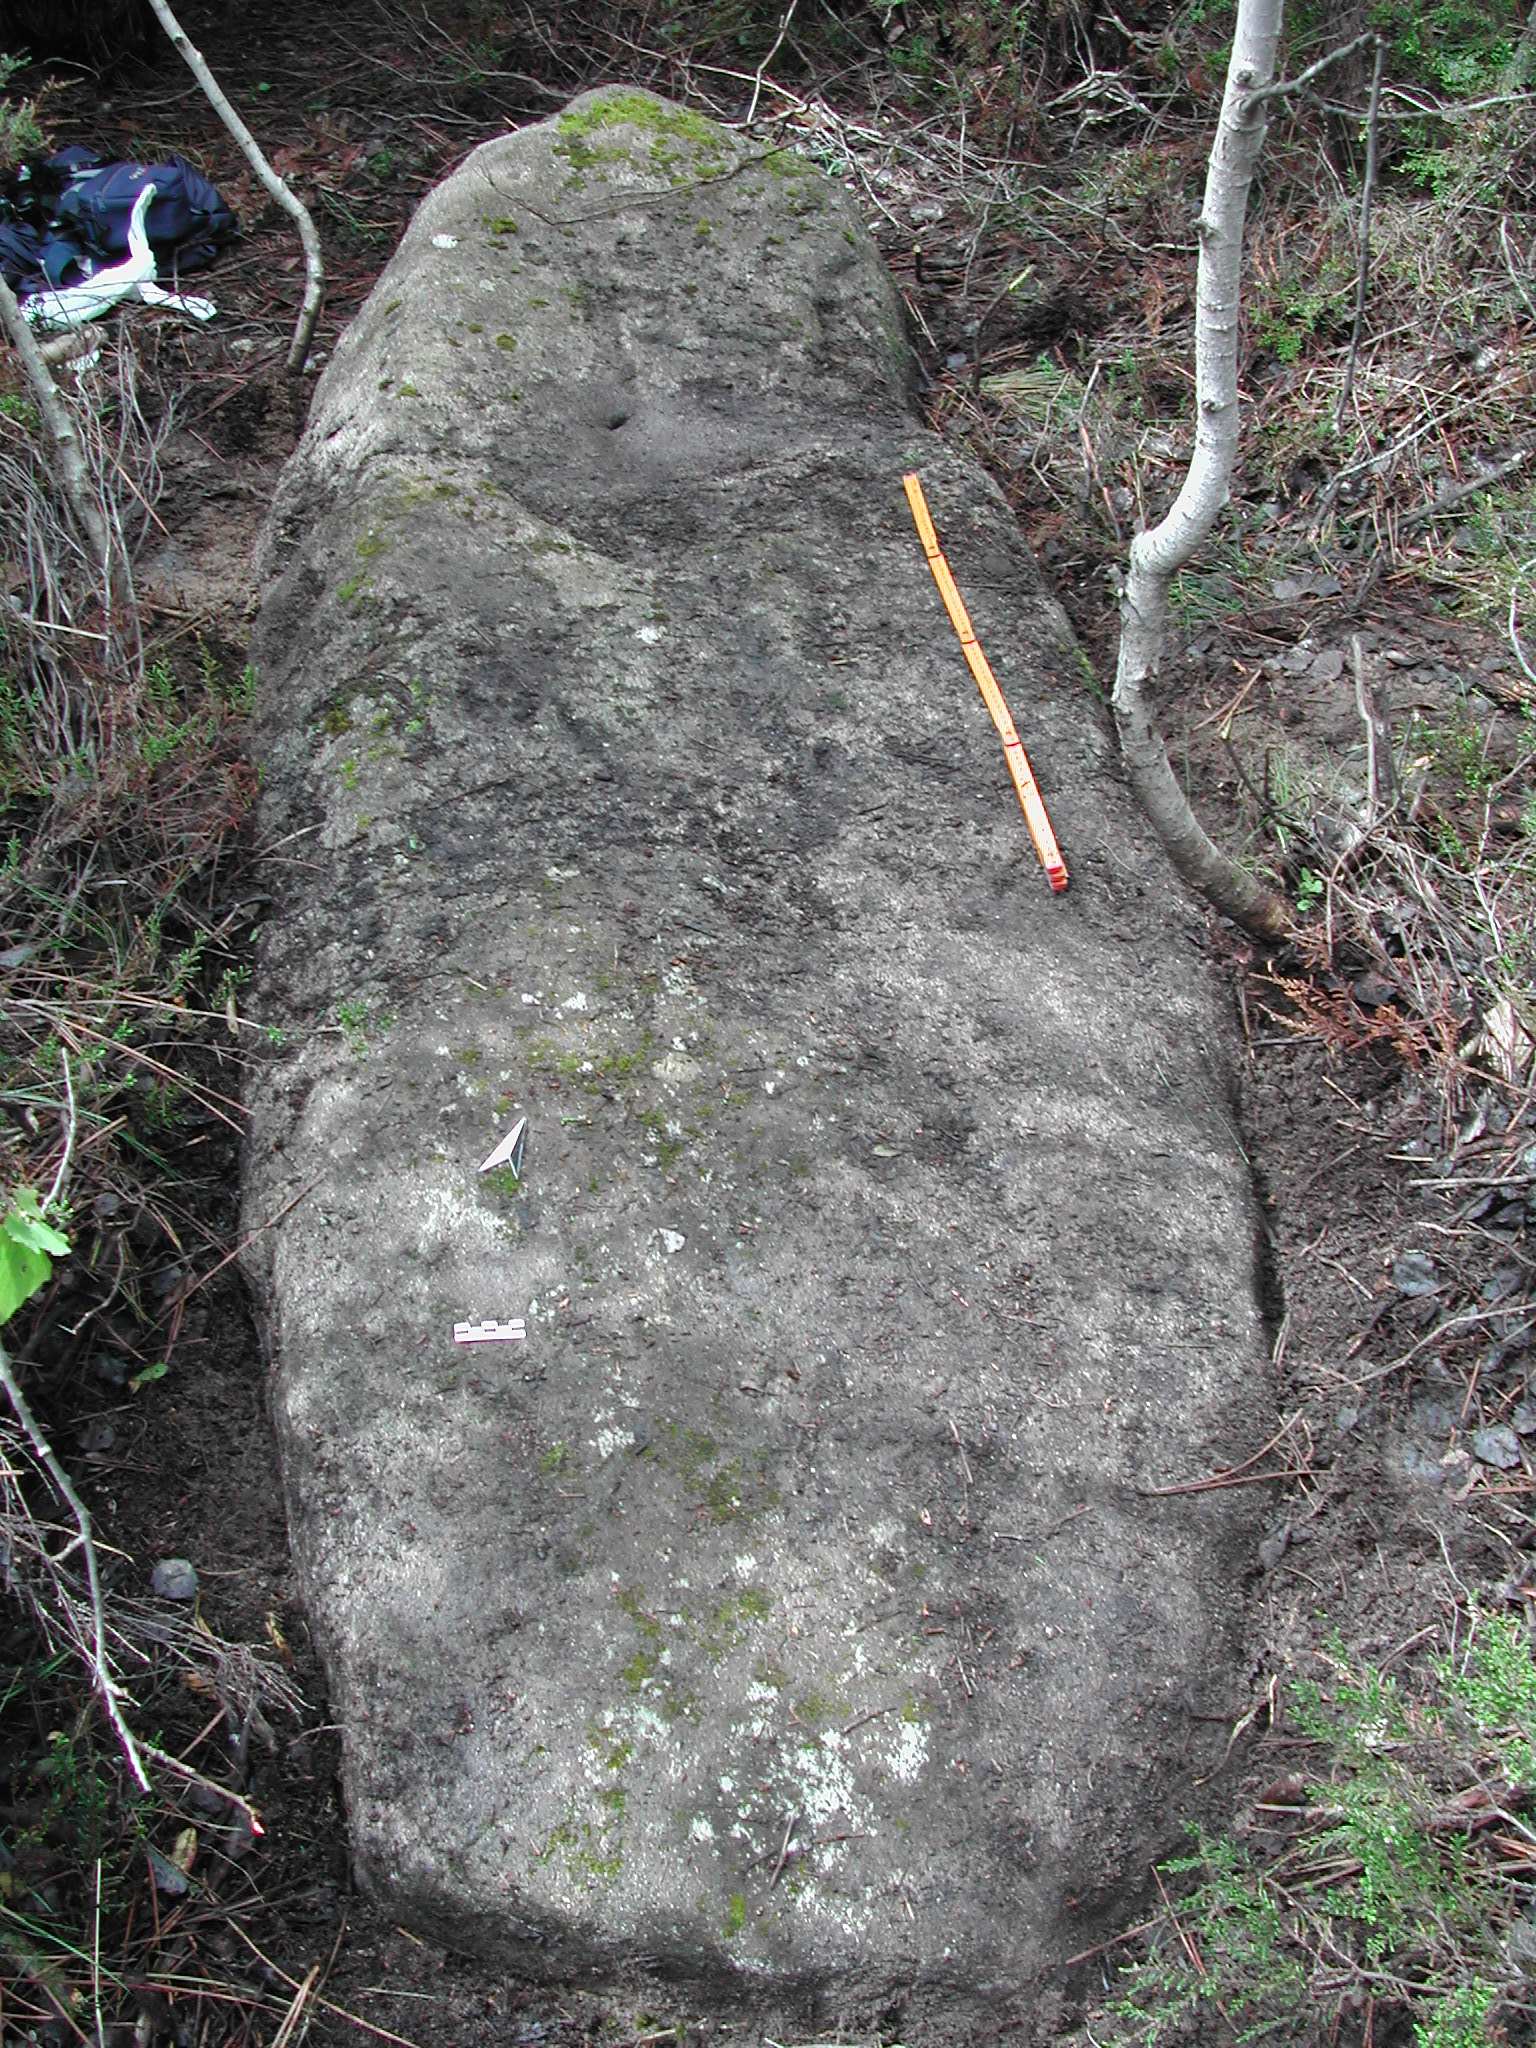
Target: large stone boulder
x,y
794,1608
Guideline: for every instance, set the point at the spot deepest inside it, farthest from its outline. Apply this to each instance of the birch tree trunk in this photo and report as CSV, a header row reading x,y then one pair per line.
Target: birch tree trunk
x,y
1158,555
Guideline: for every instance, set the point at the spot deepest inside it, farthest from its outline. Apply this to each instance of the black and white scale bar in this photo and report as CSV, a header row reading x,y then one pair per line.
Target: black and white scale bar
x,y
490,1332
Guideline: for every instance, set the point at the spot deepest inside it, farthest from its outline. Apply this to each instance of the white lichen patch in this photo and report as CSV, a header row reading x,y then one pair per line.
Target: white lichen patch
x,y
825,1781
448,1216
908,1753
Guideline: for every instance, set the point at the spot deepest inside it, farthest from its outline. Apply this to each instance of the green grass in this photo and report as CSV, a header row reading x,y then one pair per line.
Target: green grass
x,y
1387,1885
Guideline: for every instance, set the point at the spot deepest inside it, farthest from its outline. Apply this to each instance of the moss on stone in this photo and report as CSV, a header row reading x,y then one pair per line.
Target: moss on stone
x,y
681,143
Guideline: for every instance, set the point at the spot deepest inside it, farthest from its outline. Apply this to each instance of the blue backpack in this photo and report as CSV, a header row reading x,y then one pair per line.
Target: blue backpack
x,y
85,229
187,219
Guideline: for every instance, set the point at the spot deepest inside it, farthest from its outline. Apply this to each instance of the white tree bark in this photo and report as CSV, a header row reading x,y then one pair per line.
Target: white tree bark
x,y
1158,555
61,431
294,207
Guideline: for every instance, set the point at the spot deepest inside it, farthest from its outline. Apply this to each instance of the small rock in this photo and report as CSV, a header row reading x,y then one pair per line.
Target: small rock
x,y
671,1241
1418,1464
1274,1546
1414,1273
173,1578
1290,1790
1324,586
169,1881
1373,990
1523,1421
1327,665
1497,1445
1456,1464
106,1205
1288,588
1498,1284
111,1370
1300,658
97,1435
1434,1420
1346,1419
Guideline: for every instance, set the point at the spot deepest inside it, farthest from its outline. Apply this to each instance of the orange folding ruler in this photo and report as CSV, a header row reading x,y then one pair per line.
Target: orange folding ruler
x,y
1030,800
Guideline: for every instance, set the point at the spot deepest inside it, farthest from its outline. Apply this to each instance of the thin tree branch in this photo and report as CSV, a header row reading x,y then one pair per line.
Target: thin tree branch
x,y
62,1176
778,44
294,207
1282,86
1363,269
101,1670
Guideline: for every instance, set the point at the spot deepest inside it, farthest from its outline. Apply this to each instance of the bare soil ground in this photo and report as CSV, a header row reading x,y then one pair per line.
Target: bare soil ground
x,y
1387,1523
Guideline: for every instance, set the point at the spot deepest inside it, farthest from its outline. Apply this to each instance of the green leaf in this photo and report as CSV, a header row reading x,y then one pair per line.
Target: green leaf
x,y
28,1247
25,1224
22,1272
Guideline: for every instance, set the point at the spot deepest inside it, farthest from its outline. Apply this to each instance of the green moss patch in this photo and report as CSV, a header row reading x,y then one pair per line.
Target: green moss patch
x,y
680,144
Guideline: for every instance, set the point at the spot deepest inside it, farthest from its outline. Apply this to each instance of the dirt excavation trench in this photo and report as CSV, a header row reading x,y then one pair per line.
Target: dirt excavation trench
x,y
793,1610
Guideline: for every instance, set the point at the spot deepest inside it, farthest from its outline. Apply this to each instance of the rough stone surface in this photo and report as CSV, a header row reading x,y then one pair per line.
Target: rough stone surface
x,y
790,1609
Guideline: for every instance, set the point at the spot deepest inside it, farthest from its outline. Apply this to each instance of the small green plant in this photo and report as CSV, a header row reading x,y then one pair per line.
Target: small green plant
x,y
1309,891
160,682
21,131
1459,47
1461,753
29,1244
352,1016
1402,1880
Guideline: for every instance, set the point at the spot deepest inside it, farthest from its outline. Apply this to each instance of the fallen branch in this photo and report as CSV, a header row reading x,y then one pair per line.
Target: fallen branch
x,y
250,149
1237,1475
1447,499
